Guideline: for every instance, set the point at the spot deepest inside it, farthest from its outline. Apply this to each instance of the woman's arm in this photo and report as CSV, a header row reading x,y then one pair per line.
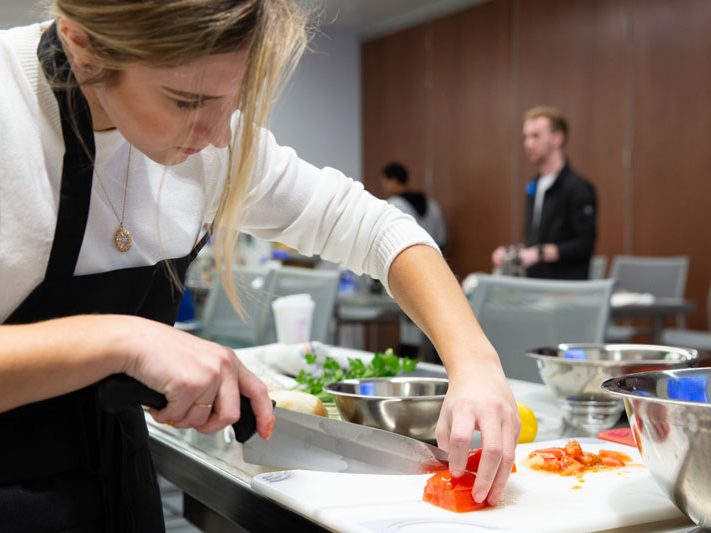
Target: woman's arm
x,y
55,357
478,395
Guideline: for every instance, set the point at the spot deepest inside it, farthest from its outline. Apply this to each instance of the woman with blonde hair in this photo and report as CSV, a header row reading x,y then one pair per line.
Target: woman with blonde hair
x,y
128,128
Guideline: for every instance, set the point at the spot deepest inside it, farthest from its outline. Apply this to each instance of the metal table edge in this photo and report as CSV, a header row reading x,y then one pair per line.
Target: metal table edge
x,y
201,477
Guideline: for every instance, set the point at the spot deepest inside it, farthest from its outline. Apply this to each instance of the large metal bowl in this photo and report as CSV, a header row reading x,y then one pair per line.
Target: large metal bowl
x,y
409,406
578,369
670,416
574,373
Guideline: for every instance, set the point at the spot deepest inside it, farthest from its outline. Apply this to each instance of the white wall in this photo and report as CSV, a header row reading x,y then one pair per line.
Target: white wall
x,y
21,12
319,113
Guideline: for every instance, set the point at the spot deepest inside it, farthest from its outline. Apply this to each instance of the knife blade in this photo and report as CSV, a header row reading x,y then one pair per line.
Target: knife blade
x,y
310,442
299,440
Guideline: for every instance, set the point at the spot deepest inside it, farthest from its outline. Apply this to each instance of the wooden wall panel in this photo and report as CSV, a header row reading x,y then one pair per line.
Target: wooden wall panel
x,y
672,135
573,55
633,77
394,101
471,131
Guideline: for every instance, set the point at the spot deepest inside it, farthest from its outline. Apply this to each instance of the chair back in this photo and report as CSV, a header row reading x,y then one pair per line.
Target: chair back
x,y
598,266
660,276
221,322
322,285
518,314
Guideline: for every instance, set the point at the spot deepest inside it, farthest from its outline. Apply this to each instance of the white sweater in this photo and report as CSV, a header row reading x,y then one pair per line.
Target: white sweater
x,y
316,211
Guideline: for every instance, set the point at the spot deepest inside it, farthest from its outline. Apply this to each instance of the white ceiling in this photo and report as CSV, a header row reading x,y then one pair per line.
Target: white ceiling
x,y
367,18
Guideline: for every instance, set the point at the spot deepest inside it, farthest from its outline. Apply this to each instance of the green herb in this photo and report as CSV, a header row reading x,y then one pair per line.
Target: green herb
x,y
383,364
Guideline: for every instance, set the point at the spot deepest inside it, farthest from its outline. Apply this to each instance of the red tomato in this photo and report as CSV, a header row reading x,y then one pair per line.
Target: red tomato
x,y
572,460
455,494
611,461
621,457
473,460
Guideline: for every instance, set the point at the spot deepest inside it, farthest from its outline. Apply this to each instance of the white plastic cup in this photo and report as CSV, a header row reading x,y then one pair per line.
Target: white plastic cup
x,y
293,316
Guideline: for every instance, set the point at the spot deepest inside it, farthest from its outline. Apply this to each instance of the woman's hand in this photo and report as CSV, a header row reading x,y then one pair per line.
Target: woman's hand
x,y
478,395
480,399
201,380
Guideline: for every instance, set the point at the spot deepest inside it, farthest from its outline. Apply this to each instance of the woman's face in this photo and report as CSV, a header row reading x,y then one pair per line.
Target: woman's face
x,y
171,113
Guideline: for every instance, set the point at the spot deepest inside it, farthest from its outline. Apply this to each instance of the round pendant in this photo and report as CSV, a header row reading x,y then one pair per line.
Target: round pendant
x,y
122,239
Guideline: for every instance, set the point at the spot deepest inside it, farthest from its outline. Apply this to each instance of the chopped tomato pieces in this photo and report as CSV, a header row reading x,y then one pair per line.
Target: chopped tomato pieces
x,y
451,493
473,460
455,494
622,457
571,460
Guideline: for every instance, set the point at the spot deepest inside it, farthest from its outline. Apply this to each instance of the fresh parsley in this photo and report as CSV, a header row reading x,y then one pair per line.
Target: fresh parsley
x,y
384,364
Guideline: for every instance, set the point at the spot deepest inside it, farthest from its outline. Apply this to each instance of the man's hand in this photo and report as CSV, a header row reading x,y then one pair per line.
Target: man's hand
x,y
497,258
529,256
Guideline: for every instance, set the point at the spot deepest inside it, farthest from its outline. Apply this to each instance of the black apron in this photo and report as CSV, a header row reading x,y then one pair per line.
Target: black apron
x,y
65,464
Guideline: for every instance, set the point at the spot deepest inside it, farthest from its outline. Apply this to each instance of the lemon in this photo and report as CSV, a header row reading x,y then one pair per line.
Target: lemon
x,y
529,424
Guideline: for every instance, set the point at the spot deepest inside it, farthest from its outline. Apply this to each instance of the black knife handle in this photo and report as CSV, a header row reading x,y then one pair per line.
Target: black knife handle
x,y
119,392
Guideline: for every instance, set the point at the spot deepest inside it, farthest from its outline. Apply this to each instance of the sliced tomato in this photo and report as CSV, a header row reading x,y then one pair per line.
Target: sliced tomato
x,y
621,457
611,461
573,449
473,460
460,502
453,494
549,453
572,460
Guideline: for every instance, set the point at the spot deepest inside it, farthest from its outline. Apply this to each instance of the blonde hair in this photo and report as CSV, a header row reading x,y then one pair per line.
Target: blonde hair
x,y
555,118
160,33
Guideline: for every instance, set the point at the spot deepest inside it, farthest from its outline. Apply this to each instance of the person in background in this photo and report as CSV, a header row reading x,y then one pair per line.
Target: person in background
x,y
561,206
423,209
129,130
427,213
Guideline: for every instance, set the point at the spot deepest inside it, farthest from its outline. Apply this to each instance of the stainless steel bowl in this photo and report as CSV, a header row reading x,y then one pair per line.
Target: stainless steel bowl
x,y
409,406
574,373
670,416
573,369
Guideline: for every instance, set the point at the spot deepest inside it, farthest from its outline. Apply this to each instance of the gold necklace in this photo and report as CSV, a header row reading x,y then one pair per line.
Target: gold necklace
x,y
122,237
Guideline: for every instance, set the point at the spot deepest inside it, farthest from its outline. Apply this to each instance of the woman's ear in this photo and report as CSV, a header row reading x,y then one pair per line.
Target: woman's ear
x,y
75,38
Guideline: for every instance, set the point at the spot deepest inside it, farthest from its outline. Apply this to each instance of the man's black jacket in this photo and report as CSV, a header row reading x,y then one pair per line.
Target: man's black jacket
x,y
568,219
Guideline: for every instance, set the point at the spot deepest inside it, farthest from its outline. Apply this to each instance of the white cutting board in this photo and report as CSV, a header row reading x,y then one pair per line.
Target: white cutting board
x,y
533,501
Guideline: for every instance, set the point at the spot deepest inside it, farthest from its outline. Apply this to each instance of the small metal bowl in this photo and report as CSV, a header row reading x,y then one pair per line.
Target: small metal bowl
x,y
670,416
409,406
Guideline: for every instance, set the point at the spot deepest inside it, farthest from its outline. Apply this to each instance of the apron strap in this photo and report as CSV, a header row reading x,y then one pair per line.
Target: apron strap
x,y
78,163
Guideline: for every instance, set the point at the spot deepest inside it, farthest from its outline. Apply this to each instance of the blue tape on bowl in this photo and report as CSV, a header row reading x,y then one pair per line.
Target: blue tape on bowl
x,y
574,353
366,389
688,388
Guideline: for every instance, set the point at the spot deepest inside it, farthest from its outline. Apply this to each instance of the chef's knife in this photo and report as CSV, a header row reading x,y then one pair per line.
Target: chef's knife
x,y
302,441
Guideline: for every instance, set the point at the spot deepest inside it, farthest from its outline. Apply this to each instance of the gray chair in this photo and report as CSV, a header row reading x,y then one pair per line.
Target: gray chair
x,y
518,314
322,285
221,322
663,277
689,338
598,266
